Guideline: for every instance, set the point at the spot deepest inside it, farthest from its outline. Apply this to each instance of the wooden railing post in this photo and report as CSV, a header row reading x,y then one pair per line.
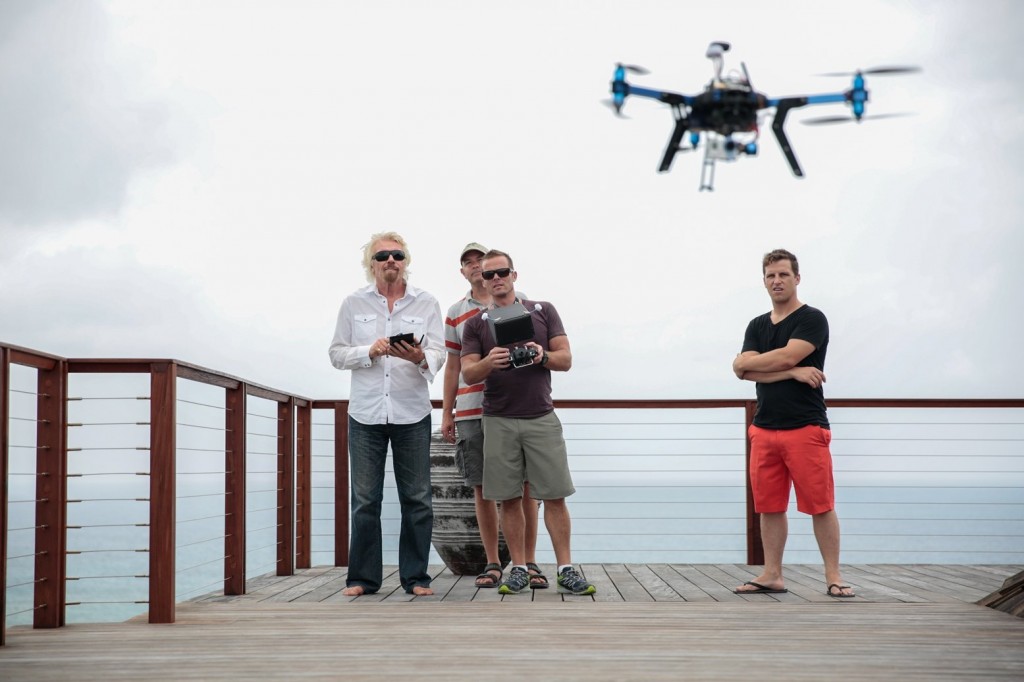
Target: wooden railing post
x,y
303,486
162,490
51,496
286,487
341,508
755,550
234,489
5,393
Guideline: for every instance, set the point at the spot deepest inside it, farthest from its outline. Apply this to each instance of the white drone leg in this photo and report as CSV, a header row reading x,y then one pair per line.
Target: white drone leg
x,y
707,172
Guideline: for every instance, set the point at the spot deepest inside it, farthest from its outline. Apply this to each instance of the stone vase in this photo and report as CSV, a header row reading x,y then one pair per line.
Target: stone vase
x,y
456,535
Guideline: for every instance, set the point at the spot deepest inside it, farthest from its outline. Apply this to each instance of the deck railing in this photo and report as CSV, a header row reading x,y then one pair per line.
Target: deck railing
x,y
699,460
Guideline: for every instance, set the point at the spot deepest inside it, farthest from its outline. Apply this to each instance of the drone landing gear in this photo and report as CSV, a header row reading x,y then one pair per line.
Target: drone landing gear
x,y
707,172
682,125
779,121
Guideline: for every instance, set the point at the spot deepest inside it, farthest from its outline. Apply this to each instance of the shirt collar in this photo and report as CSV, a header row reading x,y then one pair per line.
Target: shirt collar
x,y
410,291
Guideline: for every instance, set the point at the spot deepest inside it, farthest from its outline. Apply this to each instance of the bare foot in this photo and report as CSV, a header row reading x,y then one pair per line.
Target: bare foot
x,y
353,591
421,591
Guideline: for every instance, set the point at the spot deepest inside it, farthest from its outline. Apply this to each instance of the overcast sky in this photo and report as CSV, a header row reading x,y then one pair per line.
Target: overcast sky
x,y
196,180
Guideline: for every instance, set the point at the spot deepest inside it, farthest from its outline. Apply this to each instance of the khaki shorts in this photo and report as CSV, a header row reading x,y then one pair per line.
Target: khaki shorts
x,y
469,451
521,450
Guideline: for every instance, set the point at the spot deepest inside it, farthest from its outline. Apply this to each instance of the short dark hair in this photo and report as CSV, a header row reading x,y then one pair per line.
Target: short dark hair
x,y
494,253
777,255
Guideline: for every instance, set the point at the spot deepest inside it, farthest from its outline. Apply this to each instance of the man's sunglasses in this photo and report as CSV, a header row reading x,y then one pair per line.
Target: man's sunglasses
x,y
500,272
382,256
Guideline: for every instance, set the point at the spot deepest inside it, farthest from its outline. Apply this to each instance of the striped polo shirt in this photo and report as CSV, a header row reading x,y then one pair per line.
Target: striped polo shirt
x,y
469,401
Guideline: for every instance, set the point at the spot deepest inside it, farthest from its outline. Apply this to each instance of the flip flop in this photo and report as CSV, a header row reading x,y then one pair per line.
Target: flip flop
x,y
487,579
840,595
760,589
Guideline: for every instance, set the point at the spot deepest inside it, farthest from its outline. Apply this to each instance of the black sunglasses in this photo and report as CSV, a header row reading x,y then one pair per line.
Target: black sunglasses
x,y
382,256
500,272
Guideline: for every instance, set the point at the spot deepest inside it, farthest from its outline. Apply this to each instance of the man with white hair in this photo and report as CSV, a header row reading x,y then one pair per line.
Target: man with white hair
x,y
389,335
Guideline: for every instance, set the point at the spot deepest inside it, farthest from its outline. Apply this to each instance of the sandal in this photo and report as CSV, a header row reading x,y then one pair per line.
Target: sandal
x,y
538,581
487,578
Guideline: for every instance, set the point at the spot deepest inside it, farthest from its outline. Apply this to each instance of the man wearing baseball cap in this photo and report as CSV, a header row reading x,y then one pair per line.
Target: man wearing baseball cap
x,y
461,412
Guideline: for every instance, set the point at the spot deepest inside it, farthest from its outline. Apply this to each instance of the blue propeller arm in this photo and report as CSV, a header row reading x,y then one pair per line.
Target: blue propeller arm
x,y
660,95
621,90
833,98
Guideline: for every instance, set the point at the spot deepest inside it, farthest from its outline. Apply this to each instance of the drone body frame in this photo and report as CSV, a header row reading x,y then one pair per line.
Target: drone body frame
x,y
727,113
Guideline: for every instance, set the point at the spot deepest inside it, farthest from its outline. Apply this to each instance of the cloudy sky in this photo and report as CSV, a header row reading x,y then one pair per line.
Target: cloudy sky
x,y
196,180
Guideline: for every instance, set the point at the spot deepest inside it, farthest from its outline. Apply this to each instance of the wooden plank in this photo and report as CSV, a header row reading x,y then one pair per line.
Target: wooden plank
x,y
626,583
682,586
652,582
303,583
956,584
647,641
715,588
465,589
597,574
914,585
327,589
872,584
973,579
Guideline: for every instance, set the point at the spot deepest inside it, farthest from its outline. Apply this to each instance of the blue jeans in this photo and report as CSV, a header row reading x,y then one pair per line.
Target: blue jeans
x,y
410,450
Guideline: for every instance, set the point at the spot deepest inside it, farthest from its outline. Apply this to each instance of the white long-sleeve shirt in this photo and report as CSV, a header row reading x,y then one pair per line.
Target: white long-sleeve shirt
x,y
388,390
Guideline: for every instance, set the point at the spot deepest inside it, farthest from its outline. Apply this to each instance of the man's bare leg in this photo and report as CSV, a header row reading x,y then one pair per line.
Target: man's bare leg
x,y
487,520
774,531
826,532
531,513
559,525
513,526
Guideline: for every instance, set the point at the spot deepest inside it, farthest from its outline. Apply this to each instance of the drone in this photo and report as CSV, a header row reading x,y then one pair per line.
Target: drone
x,y
727,112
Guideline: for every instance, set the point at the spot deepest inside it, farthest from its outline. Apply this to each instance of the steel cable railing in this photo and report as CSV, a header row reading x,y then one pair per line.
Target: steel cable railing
x,y
237,480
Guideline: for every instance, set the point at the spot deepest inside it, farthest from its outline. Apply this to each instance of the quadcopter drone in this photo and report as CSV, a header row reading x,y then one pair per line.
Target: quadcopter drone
x,y
727,112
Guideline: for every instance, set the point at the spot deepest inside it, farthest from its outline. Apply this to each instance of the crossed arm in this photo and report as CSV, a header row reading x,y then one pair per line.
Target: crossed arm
x,y
778,365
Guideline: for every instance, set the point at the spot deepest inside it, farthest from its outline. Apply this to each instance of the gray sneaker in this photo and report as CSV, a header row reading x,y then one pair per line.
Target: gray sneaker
x,y
570,581
516,582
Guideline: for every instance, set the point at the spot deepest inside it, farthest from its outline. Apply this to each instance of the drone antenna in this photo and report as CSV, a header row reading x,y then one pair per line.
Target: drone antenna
x,y
714,53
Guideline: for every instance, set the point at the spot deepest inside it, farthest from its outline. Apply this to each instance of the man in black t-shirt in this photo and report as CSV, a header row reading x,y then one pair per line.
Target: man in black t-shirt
x,y
784,352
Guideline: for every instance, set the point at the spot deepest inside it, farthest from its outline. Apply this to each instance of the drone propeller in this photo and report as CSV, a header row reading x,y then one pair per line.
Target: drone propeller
x,y
881,70
616,107
620,88
827,120
633,68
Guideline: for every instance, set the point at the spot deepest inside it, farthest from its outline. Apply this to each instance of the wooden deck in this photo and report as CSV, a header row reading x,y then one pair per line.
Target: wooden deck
x,y
647,622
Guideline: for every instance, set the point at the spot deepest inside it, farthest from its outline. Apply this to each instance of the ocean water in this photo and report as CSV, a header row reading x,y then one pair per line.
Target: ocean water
x,y
653,486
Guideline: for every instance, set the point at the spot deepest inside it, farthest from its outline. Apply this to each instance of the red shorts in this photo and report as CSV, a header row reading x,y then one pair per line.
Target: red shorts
x,y
781,458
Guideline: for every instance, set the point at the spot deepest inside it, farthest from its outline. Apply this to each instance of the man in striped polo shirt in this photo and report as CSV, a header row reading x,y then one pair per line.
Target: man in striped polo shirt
x,y
463,404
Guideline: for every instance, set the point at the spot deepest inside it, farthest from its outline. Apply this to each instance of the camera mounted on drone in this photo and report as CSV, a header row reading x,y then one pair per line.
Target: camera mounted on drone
x,y
512,325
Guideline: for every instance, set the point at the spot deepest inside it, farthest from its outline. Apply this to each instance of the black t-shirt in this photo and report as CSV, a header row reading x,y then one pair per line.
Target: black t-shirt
x,y
790,404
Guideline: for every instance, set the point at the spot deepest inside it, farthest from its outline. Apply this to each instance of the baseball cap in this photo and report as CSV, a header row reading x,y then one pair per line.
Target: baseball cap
x,y
472,246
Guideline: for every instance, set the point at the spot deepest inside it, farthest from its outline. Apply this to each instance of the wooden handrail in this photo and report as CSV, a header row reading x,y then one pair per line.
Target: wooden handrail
x,y
294,469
